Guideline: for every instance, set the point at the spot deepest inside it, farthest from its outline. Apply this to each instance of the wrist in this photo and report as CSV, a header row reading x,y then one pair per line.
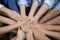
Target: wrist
x,y
3,9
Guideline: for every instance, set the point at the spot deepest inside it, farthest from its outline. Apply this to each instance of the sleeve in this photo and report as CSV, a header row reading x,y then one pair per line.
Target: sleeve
x,y
1,5
50,3
41,2
58,6
22,2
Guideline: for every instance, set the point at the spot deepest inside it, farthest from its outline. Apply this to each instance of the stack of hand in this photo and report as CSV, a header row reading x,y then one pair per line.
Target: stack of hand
x,y
29,28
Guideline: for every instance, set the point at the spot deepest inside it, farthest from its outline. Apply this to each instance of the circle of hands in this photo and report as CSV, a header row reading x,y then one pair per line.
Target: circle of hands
x,y
30,29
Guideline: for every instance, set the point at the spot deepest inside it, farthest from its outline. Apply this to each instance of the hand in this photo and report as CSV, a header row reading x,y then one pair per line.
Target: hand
x,y
38,34
25,27
14,15
20,35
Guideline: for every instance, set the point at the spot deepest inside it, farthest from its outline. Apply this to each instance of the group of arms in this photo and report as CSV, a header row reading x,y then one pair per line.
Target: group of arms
x,y
29,27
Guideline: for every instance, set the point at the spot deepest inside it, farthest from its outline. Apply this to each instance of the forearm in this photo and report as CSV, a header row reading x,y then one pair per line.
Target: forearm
x,y
51,33
42,10
12,14
54,12
20,35
50,27
4,9
55,20
9,28
29,36
33,8
23,10
38,34
6,20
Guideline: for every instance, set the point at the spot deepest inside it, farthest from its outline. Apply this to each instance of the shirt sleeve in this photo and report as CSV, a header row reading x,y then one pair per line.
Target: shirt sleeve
x,y
1,5
41,2
58,6
22,2
50,3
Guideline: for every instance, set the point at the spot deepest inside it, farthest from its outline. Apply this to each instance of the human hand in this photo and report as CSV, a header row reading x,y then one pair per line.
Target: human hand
x,y
38,34
14,15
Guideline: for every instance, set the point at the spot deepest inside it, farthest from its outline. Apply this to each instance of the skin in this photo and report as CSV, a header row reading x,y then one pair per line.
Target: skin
x,y
50,27
53,34
42,10
12,14
6,20
20,35
49,15
29,36
33,8
38,34
10,28
22,8
54,21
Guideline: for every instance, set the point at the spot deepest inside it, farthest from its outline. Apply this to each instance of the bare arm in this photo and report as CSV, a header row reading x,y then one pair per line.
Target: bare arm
x,y
49,15
42,10
22,10
38,34
10,28
50,27
29,36
6,20
33,8
54,21
12,14
20,35
51,33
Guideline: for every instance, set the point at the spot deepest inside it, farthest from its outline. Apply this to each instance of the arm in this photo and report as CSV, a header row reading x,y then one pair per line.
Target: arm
x,y
53,34
38,34
29,35
12,14
22,5
49,33
42,10
33,8
9,28
22,10
48,4
50,27
6,20
55,20
49,15
20,35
